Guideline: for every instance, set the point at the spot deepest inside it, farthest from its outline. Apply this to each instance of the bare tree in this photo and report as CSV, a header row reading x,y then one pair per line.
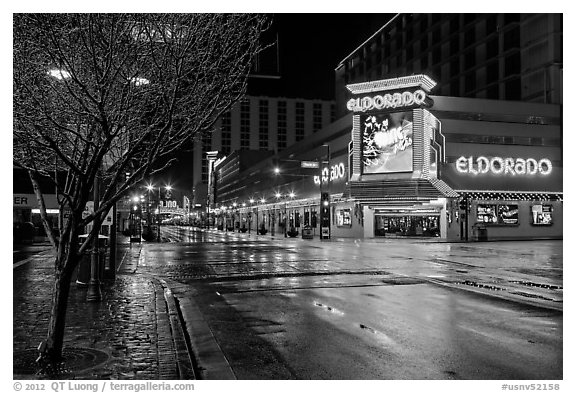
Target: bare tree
x,y
100,95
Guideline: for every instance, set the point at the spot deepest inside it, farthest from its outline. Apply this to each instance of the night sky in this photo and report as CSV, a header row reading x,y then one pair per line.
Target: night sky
x,y
310,48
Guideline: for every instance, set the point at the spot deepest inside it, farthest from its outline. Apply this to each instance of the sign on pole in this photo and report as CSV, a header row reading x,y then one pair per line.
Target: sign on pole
x,y
310,164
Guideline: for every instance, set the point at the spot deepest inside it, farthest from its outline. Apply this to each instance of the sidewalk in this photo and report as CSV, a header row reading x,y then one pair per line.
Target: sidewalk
x,y
133,333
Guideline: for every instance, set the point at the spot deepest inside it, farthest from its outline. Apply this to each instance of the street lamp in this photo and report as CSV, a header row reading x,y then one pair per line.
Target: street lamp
x,y
94,293
262,201
242,220
151,187
250,215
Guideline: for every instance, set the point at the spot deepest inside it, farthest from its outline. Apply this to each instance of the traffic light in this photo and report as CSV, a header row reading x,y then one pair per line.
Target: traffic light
x,y
463,204
136,206
324,209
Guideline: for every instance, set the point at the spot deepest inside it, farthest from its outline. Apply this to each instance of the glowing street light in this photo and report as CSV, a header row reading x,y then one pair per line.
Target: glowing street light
x,y
139,81
59,74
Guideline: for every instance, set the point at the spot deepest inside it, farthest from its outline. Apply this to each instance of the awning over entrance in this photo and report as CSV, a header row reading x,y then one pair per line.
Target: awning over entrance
x,y
401,189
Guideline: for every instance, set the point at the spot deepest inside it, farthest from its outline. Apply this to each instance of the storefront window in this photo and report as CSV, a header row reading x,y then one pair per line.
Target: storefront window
x,y
497,214
487,214
542,214
508,214
343,218
407,226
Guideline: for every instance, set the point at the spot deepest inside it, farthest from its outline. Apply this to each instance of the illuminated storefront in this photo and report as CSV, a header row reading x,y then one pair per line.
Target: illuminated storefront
x,y
397,147
453,168
406,163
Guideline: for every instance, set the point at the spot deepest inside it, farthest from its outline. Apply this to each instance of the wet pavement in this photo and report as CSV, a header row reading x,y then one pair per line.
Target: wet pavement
x,y
126,336
374,309
261,307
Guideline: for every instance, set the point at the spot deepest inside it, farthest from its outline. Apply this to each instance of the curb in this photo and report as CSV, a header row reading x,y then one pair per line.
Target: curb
x,y
180,344
209,360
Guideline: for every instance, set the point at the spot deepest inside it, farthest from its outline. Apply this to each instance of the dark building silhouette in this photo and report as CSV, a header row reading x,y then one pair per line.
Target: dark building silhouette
x,y
516,57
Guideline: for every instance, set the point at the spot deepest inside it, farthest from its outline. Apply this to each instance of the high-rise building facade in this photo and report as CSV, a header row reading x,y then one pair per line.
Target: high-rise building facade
x,y
260,123
516,57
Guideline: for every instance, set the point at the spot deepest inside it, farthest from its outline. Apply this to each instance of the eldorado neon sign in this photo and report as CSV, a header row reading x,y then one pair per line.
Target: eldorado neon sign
x,y
503,166
336,172
395,100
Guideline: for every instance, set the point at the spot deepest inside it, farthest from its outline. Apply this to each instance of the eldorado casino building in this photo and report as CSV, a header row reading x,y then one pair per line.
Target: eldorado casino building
x,y
406,163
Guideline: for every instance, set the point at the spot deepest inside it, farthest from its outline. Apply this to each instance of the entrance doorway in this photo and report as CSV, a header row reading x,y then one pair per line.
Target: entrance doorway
x,y
403,225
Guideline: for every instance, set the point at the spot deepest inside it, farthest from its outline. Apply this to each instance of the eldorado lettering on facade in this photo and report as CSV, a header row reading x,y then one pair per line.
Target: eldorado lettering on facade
x,y
386,101
503,166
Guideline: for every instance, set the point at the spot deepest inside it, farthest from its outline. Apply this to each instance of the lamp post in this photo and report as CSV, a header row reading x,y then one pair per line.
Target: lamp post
x,y
250,215
325,224
291,195
278,198
262,201
151,187
242,225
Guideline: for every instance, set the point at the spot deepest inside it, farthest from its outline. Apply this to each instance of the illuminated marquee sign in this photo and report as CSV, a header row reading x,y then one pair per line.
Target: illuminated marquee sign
x,y
387,101
503,166
387,143
334,173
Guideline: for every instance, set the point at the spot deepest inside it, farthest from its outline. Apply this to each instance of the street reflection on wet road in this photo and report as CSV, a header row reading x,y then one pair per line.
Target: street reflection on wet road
x,y
288,308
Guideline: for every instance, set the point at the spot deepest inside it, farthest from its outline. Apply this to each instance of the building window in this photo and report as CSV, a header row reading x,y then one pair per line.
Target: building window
x,y
436,55
455,87
436,36
513,89
424,44
424,62
455,45
491,24
226,134
245,125
455,66
409,52
492,92
316,117
454,24
492,48
492,74
512,38
282,127
263,125
469,82
299,123
469,18
512,64
469,37
469,59
424,24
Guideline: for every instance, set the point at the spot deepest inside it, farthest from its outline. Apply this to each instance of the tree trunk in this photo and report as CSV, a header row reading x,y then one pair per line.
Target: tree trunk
x,y
51,349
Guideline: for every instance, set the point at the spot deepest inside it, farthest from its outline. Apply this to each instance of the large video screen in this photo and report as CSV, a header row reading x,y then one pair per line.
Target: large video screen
x,y
387,143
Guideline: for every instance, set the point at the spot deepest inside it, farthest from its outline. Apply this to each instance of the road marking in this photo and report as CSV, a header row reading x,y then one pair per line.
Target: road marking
x,y
32,258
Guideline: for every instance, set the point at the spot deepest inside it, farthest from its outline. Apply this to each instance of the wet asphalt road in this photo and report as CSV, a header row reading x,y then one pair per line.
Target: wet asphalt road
x,y
292,309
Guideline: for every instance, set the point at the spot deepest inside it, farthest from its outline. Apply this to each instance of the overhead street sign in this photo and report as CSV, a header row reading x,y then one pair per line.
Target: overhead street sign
x,y
310,164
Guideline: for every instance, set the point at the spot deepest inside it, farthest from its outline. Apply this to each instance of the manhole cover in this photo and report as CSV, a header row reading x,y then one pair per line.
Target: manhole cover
x,y
75,360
